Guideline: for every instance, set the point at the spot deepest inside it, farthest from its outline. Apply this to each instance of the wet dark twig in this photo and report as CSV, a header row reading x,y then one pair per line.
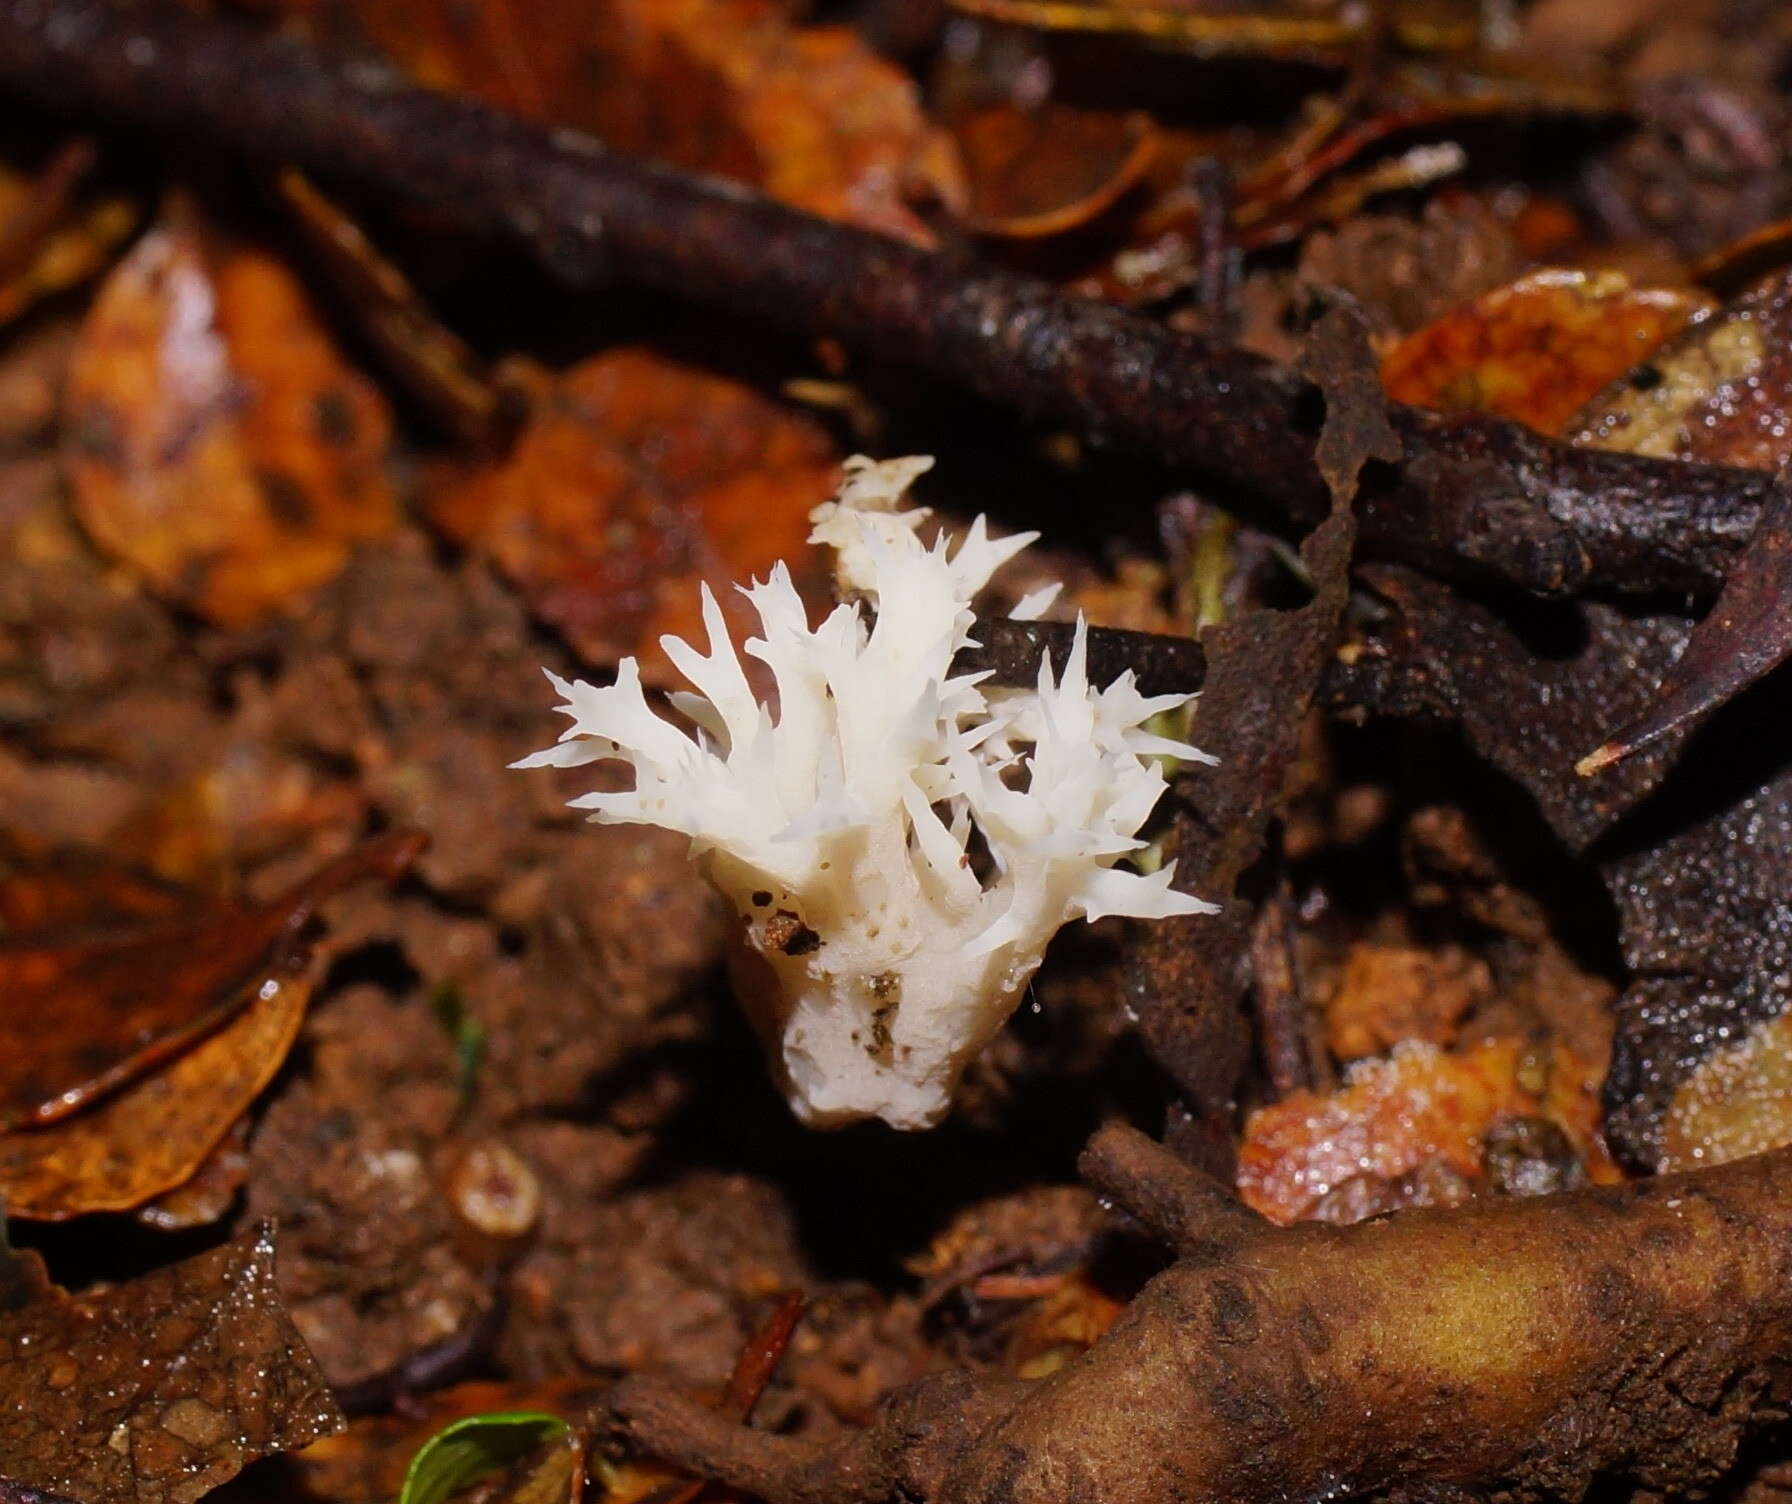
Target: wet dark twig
x,y
1474,496
1010,652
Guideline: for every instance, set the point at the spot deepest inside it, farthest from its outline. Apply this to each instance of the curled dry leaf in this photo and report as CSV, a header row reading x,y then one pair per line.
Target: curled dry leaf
x,y
215,441
1539,349
156,1391
89,1011
636,478
1394,1116
155,1134
810,114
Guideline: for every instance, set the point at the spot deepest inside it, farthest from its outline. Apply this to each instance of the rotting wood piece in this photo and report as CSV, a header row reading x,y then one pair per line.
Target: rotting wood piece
x,y
1514,1347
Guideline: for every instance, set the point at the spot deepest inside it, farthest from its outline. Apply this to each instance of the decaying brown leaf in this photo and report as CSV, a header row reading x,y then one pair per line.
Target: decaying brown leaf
x,y
1389,993
1539,349
1185,975
154,1134
636,478
1337,359
156,1391
89,1011
215,441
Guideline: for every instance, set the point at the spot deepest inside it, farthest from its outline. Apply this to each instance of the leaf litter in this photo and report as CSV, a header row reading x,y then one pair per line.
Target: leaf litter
x,y
505,1120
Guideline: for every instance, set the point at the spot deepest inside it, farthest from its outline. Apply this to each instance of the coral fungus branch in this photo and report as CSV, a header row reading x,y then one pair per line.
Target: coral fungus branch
x,y
1475,495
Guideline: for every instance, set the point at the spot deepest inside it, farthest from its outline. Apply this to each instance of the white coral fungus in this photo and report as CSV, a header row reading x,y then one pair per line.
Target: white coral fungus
x,y
876,960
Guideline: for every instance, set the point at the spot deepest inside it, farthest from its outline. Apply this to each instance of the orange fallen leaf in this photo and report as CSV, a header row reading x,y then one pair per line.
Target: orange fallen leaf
x,y
215,441
155,1134
635,479
1539,349
1396,1114
810,114
88,1011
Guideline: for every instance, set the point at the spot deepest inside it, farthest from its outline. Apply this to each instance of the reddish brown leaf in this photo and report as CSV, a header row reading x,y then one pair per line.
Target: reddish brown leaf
x,y
1067,1320
1538,350
156,1391
636,478
1033,173
215,441
811,115
88,1011
156,1133
43,890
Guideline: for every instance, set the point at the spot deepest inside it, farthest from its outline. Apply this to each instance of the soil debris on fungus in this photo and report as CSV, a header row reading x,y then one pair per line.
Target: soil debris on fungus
x,y
1351,577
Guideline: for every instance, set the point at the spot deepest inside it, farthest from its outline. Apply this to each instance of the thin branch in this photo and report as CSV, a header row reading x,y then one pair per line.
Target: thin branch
x,y
1192,1212
1475,495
